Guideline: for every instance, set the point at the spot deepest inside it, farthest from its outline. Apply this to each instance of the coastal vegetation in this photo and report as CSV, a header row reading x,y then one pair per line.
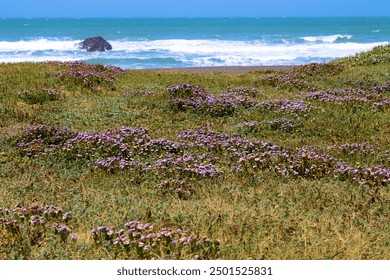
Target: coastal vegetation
x,y
97,162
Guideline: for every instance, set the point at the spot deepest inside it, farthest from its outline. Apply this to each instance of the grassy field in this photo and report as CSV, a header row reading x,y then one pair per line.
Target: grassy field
x,y
100,163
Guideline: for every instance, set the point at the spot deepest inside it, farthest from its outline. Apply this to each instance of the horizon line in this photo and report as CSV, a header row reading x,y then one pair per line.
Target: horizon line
x,y
188,17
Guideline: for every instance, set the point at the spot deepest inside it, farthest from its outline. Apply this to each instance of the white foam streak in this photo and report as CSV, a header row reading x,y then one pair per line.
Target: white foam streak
x,y
38,59
241,53
238,47
38,45
186,52
326,39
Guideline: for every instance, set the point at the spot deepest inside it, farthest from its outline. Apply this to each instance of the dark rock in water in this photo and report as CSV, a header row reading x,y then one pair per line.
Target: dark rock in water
x,y
95,44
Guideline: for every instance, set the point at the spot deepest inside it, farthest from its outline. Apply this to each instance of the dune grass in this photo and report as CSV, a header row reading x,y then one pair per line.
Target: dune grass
x,y
100,163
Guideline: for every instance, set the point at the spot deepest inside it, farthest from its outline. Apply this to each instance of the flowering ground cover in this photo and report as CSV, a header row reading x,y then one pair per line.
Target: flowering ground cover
x,y
101,163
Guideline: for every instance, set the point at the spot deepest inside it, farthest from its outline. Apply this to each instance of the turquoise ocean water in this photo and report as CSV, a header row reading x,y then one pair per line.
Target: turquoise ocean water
x,y
187,42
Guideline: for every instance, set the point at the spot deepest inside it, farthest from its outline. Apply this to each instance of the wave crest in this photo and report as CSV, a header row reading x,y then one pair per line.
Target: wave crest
x,y
186,53
327,39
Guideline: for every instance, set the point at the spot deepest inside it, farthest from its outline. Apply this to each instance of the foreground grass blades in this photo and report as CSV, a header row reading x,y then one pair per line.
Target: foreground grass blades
x,y
100,163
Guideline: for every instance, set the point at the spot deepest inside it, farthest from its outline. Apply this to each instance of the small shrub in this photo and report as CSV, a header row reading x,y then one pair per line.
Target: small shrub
x,y
139,92
283,124
372,98
181,188
22,228
92,77
183,90
39,96
139,240
186,96
286,106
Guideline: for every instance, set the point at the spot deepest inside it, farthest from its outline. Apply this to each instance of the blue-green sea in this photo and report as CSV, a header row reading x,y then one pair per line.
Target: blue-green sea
x,y
141,43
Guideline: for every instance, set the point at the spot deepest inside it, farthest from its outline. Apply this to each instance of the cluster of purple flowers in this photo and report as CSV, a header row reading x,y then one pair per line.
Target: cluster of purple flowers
x,y
88,76
246,91
157,146
102,233
372,98
187,166
187,96
64,232
301,162
217,141
113,164
252,156
364,151
231,147
304,163
142,240
286,106
39,96
41,140
291,163
119,142
184,90
380,89
196,154
169,166
124,148
365,175
34,221
356,154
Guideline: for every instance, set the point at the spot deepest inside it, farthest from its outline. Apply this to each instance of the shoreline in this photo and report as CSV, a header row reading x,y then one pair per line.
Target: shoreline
x,y
224,69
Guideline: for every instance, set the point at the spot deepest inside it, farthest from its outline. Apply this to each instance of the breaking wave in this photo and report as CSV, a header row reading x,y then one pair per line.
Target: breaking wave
x,y
327,39
186,53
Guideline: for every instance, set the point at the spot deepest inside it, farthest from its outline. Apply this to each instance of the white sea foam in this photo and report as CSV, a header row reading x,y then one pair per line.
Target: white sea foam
x,y
37,45
180,52
326,39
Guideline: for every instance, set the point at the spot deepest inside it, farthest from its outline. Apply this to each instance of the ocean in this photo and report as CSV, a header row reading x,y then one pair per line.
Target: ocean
x,y
144,43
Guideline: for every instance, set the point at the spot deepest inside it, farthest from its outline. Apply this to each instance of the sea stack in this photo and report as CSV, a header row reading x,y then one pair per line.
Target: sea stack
x,y
95,44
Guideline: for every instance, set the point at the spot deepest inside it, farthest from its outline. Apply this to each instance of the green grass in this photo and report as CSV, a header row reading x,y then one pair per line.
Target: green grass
x,y
254,214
